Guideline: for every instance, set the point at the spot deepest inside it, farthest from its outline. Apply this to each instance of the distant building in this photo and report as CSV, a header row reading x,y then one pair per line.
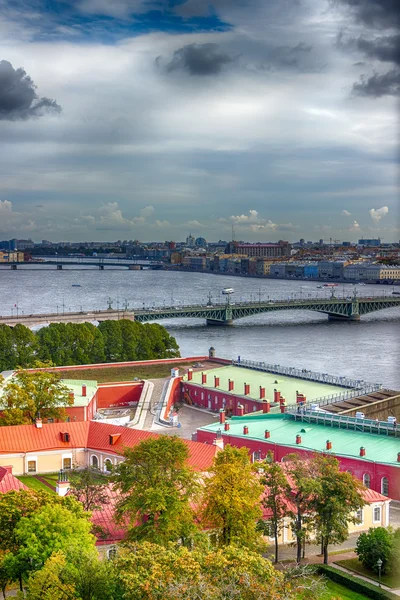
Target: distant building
x,y
372,242
269,250
200,242
190,241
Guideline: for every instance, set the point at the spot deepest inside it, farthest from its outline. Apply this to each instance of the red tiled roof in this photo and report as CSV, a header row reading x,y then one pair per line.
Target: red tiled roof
x,y
104,518
8,482
28,438
371,496
93,435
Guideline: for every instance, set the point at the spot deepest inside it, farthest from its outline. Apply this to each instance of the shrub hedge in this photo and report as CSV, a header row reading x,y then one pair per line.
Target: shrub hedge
x,y
356,584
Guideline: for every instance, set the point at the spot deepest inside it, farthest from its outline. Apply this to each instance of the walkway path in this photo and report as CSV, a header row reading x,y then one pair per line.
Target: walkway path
x,y
154,403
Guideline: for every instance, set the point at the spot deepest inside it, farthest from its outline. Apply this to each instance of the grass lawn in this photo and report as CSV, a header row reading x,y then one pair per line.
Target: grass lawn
x,y
51,478
34,484
109,374
353,564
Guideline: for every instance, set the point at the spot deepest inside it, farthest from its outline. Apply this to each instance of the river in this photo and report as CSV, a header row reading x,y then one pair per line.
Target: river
x,y
368,349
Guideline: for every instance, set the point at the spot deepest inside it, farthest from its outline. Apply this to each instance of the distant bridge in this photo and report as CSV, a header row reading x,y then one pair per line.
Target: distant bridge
x,y
100,263
347,309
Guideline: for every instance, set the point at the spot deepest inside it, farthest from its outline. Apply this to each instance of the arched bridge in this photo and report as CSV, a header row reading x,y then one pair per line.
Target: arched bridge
x,y
349,309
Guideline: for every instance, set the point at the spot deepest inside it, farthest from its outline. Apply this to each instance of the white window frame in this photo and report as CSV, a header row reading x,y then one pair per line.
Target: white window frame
x,y
374,520
361,520
63,466
91,461
105,462
369,478
31,459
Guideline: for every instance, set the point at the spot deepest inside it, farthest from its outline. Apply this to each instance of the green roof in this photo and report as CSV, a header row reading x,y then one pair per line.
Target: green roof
x,y
285,384
75,385
283,429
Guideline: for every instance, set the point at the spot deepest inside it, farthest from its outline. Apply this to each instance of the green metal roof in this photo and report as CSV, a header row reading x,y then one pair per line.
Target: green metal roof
x,y
286,385
345,442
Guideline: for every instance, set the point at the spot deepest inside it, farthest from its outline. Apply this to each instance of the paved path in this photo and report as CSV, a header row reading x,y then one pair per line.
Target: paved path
x,y
155,401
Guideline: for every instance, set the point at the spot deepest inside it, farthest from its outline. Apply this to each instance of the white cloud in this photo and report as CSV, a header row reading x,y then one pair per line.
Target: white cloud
x,y
346,213
378,214
147,211
194,223
111,217
12,221
355,227
161,224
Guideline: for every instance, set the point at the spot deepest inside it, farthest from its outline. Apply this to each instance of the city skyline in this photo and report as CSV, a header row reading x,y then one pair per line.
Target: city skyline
x,y
146,119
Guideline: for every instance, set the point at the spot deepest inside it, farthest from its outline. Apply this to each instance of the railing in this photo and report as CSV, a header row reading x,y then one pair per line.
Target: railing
x,y
344,422
356,384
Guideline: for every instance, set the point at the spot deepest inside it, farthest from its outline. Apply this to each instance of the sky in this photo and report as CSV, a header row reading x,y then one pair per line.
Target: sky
x,y
153,119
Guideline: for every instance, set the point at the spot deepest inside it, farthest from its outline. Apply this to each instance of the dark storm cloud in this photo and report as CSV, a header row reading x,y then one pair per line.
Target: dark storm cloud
x,y
18,97
384,14
387,84
199,59
384,48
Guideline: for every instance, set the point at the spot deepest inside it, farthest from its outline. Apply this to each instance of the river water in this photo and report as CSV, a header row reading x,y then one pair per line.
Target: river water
x,y
368,349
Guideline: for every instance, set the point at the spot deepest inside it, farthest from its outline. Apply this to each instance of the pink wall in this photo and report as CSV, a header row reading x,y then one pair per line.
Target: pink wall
x,y
214,400
357,467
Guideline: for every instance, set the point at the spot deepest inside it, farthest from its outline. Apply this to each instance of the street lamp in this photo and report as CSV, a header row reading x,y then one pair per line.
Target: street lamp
x,y
379,564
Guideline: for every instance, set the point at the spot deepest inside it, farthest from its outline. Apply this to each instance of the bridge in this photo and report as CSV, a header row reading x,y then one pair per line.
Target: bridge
x,y
101,264
345,309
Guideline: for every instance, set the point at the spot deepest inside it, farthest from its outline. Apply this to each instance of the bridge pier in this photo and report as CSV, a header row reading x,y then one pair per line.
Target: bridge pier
x,y
101,267
13,267
344,318
219,323
59,267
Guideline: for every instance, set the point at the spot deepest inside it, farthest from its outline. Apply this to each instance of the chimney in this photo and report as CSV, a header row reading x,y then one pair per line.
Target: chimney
x,y
282,400
362,451
266,406
283,406
277,396
219,442
246,389
231,385
328,445
267,434
38,423
190,374
216,381
203,378
245,430
240,410
398,457
222,415
298,439
262,392
84,390
226,426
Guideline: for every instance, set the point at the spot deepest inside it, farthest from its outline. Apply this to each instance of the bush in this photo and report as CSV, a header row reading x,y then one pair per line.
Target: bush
x,y
355,584
374,545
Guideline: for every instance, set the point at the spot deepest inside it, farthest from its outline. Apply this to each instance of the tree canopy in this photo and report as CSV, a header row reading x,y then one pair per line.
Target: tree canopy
x,y
84,343
157,488
231,499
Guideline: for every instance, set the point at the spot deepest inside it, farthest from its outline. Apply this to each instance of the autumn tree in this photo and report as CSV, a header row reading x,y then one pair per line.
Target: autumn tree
x,y
231,499
275,498
151,572
157,487
89,487
30,394
48,583
337,496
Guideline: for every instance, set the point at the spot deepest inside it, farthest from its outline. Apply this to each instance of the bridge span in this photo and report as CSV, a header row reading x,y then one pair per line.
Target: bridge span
x,y
347,309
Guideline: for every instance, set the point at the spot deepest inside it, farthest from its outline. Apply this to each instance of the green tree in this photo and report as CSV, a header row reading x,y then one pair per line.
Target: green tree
x,y
376,544
231,499
151,572
113,343
89,487
50,528
301,478
8,359
16,505
337,495
54,344
275,498
33,393
24,344
157,487
48,583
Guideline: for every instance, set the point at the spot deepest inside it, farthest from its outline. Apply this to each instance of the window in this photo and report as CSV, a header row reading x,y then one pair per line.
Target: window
x,y
377,514
111,552
360,516
107,465
95,462
367,480
50,420
256,455
31,466
385,486
67,463
216,400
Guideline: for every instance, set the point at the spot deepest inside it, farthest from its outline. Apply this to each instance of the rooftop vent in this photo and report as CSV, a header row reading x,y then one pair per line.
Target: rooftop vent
x,y
65,437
